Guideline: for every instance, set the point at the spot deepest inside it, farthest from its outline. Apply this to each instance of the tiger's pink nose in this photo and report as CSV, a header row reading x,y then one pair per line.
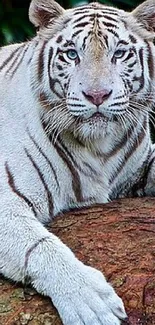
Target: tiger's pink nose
x,y
97,97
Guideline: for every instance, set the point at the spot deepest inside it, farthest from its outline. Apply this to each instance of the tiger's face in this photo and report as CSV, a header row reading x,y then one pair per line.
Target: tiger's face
x,y
100,64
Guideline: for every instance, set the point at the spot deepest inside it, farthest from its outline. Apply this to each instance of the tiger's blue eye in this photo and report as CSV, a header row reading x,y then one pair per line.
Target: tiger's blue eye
x,y
72,54
119,54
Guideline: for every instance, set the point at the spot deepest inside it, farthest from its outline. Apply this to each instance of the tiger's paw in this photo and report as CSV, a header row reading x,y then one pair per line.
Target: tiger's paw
x,y
88,299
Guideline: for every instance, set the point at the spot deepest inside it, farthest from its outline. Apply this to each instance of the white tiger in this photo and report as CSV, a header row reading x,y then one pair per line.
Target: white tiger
x,y
74,131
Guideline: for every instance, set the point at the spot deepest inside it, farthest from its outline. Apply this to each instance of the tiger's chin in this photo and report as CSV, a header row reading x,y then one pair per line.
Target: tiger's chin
x,y
92,128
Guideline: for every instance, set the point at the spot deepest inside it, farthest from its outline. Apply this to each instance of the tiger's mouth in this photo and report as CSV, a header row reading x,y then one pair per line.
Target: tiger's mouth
x,y
95,117
98,116
101,118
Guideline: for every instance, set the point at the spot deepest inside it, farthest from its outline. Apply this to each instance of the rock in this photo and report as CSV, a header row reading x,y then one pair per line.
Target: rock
x,y
18,293
4,306
117,238
25,318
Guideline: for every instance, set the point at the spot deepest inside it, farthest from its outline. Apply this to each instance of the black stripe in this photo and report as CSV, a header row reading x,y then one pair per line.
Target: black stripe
x,y
109,25
96,7
49,195
103,11
81,25
106,40
76,105
110,18
129,70
46,158
73,98
119,145
77,32
61,75
19,62
59,39
129,84
142,67
81,12
138,140
118,103
13,61
41,62
11,183
129,56
69,162
85,39
50,55
112,32
11,56
132,39
66,20
62,59
91,173
110,11
68,43
141,78
52,81
88,7
126,74
30,250
131,65
59,67
122,42
35,44
150,60
119,97
82,17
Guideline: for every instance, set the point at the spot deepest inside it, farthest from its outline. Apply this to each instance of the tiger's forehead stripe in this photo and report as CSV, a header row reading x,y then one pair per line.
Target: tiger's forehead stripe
x,y
132,39
107,17
82,24
95,7
122,42
68,43
99,14
90,14
77,33
83,17
110,18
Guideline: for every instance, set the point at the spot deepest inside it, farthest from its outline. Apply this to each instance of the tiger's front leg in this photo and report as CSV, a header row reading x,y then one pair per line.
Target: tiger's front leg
x,y
80,293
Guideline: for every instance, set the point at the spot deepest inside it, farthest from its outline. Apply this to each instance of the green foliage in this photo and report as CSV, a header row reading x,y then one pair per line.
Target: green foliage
x,y
14,23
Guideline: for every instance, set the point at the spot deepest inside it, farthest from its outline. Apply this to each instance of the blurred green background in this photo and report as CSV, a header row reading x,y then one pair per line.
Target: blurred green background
x,y
14,24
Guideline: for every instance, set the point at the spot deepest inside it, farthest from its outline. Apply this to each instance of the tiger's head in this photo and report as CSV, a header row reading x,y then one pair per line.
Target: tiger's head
x,y
95,65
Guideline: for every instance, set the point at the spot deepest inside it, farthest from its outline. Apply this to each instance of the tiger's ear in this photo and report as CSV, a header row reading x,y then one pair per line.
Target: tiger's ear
x,y
41,12
145,15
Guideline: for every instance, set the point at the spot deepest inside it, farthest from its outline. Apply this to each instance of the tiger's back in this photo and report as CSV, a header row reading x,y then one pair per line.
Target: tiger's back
x,y
74,131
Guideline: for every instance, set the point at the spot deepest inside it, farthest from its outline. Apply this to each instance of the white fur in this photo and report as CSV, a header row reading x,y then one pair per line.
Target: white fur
x,y
80,293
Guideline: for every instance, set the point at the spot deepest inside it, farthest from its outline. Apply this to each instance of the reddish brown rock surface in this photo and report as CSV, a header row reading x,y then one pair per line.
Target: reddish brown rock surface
x,y
119,239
